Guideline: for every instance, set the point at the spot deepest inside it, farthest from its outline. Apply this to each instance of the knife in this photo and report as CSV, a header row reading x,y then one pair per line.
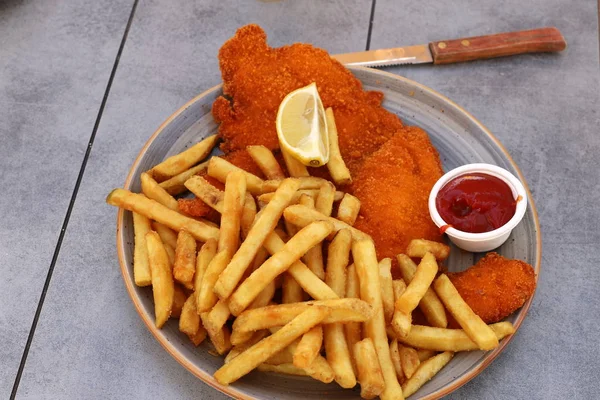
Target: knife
x,y
542,40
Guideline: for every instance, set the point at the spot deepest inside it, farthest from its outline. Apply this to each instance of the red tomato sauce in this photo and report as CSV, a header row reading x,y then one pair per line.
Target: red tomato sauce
x,y
476,203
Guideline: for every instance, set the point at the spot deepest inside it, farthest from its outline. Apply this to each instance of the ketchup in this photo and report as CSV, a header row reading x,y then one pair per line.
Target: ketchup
x,y
476,203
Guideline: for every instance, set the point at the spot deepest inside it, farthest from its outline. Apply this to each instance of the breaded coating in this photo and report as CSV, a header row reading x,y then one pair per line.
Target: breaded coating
x,y
393,186
495,287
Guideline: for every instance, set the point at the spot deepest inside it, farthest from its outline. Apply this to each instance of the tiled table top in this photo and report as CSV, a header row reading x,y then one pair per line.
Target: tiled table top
x,y
56,58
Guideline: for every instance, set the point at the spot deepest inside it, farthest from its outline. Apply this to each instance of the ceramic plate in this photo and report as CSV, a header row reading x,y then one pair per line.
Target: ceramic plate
x,y
459,138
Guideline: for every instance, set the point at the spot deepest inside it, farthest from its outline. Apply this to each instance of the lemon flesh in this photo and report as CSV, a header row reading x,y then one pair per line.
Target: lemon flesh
x,y
302,126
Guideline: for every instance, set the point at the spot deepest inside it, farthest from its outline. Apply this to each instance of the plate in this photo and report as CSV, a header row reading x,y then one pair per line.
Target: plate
x,y
459,138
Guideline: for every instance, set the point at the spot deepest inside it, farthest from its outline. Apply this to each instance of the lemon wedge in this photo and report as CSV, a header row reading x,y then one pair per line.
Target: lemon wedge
x,y
302,126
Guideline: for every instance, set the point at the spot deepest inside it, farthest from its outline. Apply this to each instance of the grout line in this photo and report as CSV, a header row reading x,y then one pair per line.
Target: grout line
x,y
371,17
70,207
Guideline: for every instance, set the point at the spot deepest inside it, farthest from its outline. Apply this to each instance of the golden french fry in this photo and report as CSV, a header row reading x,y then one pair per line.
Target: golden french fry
x,y
263,157
291,291
370,375
424,276
473,325
295,168
425,354
409,360
179,163
221,341
277,264
163,287
314,256
238,349
207,297
266,221
266,197
353,330
156,211
286,369
154,191
395,353
260,352
206,192
425,372
337,260
365,260
348,209
167,235
342,310
233,203
419,247
306,182
320,370
324,201
301,216
309,347
179,298
336,165
219,168
198,337
401,323
205,255
141,266
216,318
387,289
189,321
248,215
398,286
176,184
184,266
285,356
430,304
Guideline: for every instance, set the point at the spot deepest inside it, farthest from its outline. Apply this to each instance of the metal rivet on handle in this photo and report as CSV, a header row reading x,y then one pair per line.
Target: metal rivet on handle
x,y
465,43
442,45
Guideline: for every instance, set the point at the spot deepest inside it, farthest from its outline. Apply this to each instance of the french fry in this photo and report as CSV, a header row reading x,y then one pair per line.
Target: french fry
x,y
370,374
314,193
401,323
205,255
348,209
154,191
425,372
206,192
291,291
184,266
219,168
365,260
409,360
325,199
233,203
285,356
387,289
311,284
277,264
179,298
424,276
336,165
170,254
430,304
199,336
395,353
455,340
352,330
320,370
419,247
473,325
301,216
425,354
248,215
216,318
263,157
207,297
221,341
238,349
309,347
260,352
306,182
295,168
314,256
336,346
266,221
342,310
167,235
176,184
286,369
189,321
156,211
141,266
163,287
179,163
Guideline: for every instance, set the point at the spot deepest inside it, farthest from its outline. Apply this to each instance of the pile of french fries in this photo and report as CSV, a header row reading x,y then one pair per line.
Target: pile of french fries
x,y
282,285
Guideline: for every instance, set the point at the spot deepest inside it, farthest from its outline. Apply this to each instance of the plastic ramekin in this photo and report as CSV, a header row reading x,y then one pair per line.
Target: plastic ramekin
x,y
486,241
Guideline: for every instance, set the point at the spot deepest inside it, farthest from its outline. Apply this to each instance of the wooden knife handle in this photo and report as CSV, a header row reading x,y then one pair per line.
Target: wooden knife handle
x,y
543,40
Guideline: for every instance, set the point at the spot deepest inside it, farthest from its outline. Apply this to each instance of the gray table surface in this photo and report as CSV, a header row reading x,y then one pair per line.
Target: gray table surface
x,y
76,107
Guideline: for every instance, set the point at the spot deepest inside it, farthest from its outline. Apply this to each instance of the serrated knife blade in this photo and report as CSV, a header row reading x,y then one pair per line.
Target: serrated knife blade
x,y
385,57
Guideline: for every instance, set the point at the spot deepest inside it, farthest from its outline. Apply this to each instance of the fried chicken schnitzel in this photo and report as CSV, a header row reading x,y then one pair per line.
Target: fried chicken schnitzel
x,y
496,286
394,167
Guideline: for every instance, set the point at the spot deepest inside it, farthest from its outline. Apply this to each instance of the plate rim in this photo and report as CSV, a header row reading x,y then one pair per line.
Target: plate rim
x,y
231,390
